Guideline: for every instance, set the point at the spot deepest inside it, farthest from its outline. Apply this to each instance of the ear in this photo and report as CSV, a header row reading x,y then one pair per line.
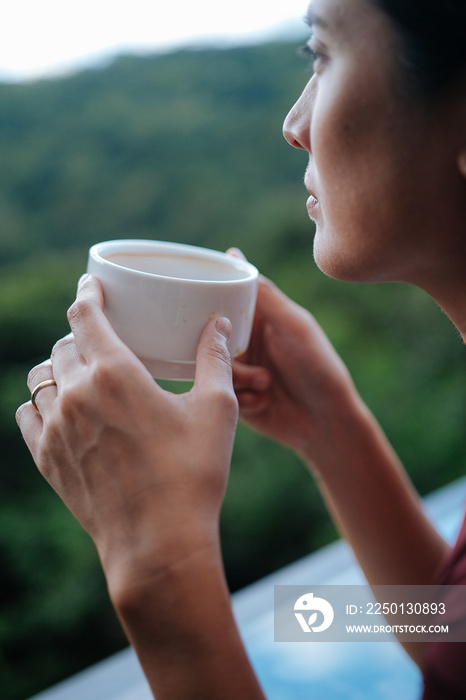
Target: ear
x,y
461,162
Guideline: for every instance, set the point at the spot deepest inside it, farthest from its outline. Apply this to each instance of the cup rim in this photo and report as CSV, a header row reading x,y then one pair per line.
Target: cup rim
x,y
125,244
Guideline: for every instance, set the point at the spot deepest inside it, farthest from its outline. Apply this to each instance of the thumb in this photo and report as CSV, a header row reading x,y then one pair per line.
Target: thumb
x,y
273,304
213,361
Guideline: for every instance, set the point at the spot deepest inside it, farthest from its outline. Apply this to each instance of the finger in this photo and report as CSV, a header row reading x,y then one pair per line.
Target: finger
x,y
39,373
251,403
236,253
275,306
250,377
91,329
271,300
66,358
213,362
30,423
42,397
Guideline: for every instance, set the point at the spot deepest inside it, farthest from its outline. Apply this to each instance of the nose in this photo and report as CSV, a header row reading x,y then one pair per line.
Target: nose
x,y
297,125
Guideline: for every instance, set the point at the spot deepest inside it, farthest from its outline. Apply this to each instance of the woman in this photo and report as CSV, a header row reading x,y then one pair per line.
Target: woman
x,y
382,119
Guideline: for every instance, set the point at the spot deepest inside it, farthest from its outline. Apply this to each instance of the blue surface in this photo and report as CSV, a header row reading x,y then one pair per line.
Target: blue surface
x,y
293,671
350,670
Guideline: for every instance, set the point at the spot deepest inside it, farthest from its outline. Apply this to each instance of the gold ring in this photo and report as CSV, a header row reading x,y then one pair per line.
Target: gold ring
x,y
42,385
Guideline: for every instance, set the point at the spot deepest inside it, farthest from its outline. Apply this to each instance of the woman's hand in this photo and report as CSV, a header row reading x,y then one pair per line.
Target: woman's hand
x,y
145,472
291,384
142,469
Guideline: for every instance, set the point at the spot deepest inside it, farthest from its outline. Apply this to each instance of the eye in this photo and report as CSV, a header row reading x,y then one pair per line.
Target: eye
x,y
306,52
316,57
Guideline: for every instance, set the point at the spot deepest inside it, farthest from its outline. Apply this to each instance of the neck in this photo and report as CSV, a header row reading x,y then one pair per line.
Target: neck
x,y
452,300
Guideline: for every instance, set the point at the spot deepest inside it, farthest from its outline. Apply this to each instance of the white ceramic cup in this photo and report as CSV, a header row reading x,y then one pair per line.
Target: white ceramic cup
x,y
159,296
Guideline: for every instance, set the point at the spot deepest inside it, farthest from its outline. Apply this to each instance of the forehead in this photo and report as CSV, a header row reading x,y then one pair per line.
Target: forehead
x,y
357,31
344,17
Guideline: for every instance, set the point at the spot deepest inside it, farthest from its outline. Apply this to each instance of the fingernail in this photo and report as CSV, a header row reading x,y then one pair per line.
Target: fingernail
x,y
223,326
236,253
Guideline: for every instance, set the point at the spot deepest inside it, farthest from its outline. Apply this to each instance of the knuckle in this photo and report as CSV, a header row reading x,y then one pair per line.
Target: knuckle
x,y
62,345
110,389
38,374
20,413
224,400
70,406
32,375
105,376
80,310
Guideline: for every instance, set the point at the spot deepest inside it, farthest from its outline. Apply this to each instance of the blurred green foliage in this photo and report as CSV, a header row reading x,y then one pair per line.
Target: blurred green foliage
x,y
183,147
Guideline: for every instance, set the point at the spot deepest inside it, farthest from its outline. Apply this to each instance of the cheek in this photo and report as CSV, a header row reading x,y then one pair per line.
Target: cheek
x,y
340,160
356,167
349,133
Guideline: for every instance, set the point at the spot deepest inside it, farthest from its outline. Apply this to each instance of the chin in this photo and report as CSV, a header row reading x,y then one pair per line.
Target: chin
x,y
343,264
330,260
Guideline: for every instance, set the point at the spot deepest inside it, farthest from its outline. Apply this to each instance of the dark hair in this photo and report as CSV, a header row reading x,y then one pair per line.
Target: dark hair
x,y
433,40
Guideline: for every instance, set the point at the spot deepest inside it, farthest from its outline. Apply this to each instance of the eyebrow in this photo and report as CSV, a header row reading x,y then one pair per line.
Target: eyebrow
x,y
312,19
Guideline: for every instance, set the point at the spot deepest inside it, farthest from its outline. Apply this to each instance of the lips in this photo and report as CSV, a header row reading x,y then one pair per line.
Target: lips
x,y
310,191
311,204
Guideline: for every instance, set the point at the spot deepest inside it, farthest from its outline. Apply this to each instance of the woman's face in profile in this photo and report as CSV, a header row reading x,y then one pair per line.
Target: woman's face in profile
x,y
380,163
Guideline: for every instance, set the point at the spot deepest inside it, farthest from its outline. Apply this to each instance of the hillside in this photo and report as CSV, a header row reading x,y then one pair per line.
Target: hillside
x,y
184,147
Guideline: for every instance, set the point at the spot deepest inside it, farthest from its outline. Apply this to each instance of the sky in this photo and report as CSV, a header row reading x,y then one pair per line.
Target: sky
x,y
47,38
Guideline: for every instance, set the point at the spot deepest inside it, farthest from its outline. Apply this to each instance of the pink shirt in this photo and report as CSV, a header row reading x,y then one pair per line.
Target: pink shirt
x,y
445,664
